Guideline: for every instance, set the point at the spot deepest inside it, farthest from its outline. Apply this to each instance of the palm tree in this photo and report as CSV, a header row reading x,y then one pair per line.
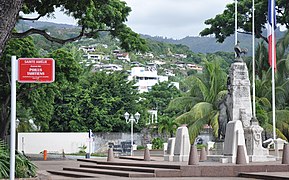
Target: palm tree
x,y
264,91
208,88
167,126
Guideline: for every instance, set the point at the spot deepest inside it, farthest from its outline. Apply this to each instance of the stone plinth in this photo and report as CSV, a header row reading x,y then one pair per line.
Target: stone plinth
x,y
219,148
169,154
255,149
182,145
234,137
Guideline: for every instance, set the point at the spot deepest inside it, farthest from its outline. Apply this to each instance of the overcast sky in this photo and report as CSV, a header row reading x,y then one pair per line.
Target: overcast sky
x,y
173,18
168,18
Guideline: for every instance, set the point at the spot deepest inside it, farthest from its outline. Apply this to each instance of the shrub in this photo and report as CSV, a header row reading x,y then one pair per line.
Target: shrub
x,y
157,143
82,149
24,168
200,146
140,147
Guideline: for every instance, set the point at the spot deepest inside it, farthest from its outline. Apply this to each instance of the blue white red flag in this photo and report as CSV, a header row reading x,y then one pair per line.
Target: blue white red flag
x,y
271,32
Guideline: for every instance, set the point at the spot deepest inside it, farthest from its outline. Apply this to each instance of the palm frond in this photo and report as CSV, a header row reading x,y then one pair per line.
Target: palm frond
x,y
264,102
196,118
214,122
182,104
203,88
196,128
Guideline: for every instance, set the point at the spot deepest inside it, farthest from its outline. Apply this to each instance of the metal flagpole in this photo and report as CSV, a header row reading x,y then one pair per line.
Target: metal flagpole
x,y
236,21
253,64
273,66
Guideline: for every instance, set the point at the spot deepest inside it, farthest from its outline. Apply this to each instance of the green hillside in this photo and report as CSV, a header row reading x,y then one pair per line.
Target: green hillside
x,y
209,44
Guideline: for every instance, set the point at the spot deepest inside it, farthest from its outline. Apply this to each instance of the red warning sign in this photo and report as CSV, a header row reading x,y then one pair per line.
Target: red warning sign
x,y
36,70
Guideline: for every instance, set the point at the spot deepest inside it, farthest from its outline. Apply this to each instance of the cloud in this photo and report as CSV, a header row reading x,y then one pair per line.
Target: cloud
x,y
171,18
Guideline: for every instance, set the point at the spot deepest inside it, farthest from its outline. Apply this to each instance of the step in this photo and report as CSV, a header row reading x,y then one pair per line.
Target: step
x,y
132,158
121,168
159,172
72,174
150,165
265,175
111,172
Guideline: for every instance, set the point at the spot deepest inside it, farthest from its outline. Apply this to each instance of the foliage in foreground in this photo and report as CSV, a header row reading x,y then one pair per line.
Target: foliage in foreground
x,y
24,167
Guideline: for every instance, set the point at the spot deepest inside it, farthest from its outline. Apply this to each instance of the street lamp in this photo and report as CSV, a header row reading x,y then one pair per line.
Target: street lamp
x,y
17,124
132,119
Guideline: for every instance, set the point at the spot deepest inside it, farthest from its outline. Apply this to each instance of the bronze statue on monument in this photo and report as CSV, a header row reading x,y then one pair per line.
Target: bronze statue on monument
x,y
239,51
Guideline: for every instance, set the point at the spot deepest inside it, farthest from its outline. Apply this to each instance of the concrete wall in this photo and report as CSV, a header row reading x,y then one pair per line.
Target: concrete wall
x,y
34,143
101,140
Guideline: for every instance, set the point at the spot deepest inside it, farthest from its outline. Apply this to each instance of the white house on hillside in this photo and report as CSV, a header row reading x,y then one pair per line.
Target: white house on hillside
x,y
145,78
96,57
87,49
123,56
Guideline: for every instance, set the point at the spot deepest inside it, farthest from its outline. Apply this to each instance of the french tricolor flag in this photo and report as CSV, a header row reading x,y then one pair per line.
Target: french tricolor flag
x,y
271,32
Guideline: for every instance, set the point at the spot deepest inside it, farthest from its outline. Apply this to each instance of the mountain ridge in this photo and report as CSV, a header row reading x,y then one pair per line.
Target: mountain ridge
x,y
196,44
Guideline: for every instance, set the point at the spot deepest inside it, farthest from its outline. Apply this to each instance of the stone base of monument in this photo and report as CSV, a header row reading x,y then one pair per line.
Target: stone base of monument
x,y
254,158
180,158
168,157
231,159
218,148
218,158
221,158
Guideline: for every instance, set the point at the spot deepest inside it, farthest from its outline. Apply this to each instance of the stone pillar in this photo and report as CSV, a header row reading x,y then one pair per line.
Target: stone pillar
x,y
239,98
253,138
170,150
182,145
234,137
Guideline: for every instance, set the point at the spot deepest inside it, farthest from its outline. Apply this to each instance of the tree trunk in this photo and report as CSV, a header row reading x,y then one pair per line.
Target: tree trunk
x,y
4,120
9,10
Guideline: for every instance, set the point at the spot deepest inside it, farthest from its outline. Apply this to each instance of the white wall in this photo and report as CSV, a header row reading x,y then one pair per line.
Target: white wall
x,y
34,143
55,142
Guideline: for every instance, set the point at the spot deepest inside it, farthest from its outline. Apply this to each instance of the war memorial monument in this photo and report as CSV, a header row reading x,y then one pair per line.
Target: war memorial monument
x,y
237,126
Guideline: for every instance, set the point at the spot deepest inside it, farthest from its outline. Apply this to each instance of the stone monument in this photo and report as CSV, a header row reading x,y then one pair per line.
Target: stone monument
x,y
170,150
242,128
240,110
182,145
239,97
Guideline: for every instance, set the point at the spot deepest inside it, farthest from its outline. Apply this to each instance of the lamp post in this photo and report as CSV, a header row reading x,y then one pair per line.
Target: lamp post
x,y
132,119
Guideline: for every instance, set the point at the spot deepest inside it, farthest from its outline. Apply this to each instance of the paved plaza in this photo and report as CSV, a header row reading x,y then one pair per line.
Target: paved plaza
x,y
58,164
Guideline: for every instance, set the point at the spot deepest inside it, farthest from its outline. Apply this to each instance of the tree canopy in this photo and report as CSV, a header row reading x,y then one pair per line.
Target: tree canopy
x,y
222,26
93,16
21,48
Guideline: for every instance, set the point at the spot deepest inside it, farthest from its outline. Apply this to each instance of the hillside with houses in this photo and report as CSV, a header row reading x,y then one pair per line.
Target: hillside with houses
x,y
162,62
146,68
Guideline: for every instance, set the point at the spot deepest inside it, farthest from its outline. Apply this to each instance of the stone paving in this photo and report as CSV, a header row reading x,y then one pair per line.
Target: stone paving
x,y
59,164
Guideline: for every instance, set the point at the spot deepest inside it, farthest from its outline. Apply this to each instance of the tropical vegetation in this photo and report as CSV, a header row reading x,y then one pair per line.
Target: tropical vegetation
x,y
223,25
24,168
82,98
201,102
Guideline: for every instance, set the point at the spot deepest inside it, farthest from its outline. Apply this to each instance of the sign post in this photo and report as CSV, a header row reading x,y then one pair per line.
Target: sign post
x,y
30,70
13,117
